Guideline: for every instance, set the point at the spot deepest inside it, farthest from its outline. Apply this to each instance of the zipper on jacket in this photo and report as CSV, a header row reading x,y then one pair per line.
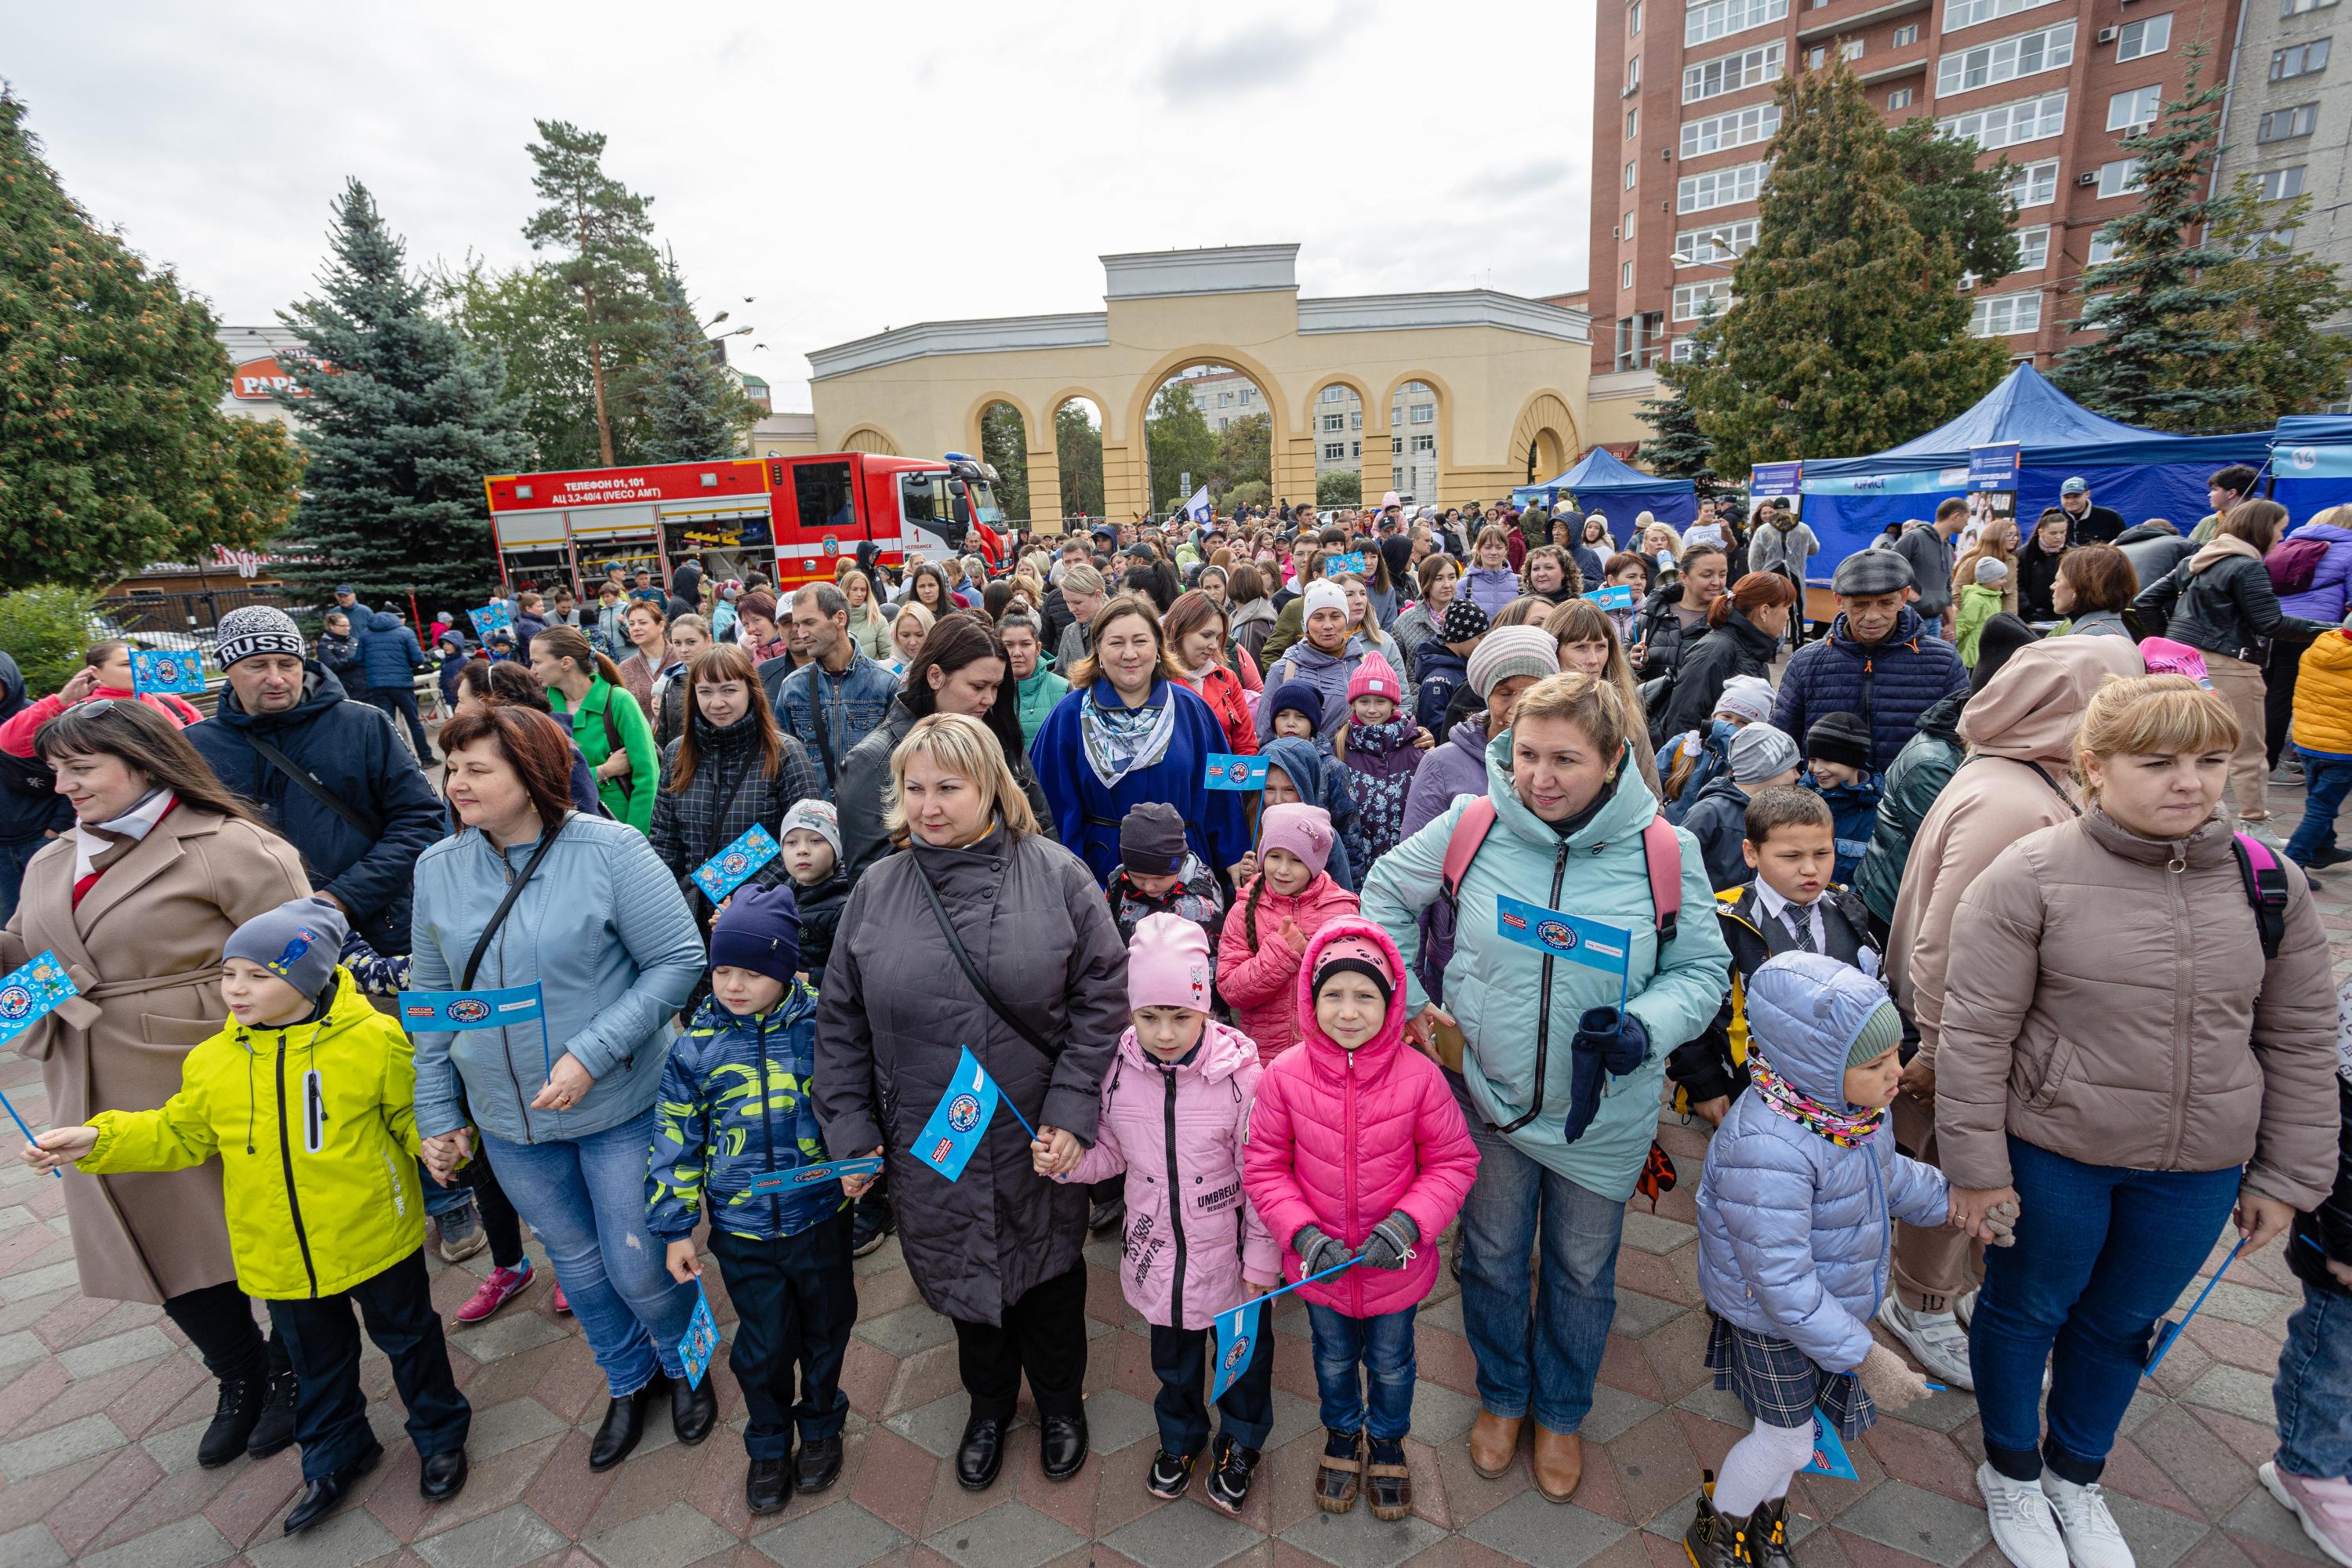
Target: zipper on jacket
x,y
314,1114
285,1160
1175,1192
1347,1188
506,1050
1886,1226
2183,1010
767,1135
1543,1004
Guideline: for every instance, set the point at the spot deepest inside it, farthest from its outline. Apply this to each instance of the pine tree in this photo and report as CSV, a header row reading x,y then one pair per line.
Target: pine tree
x,y
1949,197
689,406
1676,446
1005,443
600,227
1850,333
401,421
113,452
527,319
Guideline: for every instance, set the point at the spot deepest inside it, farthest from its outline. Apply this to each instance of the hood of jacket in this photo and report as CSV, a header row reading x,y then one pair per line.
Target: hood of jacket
x,y
2032,708
321,691
1721,787
2223,547
1470,735
2141,532
385,621
1223,1052
1943,719
1627,806
1805,1017
1303,761
1329,1055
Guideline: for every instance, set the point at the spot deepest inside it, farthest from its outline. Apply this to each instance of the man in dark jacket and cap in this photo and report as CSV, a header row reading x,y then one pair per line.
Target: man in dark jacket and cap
x,y
1878,660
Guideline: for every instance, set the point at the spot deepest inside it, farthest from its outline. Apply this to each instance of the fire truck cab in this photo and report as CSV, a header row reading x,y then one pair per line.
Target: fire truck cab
x,y
790,519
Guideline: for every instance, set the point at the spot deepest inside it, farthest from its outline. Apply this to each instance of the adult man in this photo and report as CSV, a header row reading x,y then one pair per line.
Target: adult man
x,y
390,654
348,602
2086,524
1877,661
686,590
837,698
1083,592
1929,549
645,588
2154,548
2222,491
1056,611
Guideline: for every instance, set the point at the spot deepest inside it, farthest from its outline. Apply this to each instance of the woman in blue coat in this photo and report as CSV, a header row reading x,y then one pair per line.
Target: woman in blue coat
x,y
1125,734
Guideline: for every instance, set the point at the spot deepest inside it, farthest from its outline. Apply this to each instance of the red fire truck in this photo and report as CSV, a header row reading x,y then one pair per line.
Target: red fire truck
x,y
792,519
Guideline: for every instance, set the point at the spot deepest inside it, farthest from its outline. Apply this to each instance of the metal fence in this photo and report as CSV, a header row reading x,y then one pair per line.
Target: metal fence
x,y
186,620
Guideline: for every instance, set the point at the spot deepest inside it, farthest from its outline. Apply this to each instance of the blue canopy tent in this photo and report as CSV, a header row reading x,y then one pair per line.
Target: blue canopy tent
x,y
1850,502
1599,482
2311,464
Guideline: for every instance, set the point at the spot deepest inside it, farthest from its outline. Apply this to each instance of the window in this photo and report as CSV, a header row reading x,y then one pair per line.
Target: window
x,y
1722,242
2282,185
1224,400
1248,392
1718,188
1633,19
1906,35
1685,351
2287,124
1625,276
1632,168
821,490
1335,451
1333,424
2033,248
1692,301
2007,124
1355,419
1334,394
2119,178
2005,60
1899,99
1737,128
1749,67
2299,59
2130,111
1961,14
2297,7
1355,449
1639,339
1632,73
1424,414
2103,249
1817,57
1851,49
2035,184
1425,443
1999,315
2148,36
1633,122
1721,18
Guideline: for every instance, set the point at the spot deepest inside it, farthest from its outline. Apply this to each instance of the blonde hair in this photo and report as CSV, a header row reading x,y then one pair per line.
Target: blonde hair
x,y
967,749
2151,715
1590,703
923,617
1082,578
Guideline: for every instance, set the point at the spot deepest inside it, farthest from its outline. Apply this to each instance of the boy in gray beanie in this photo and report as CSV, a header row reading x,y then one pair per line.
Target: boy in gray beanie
x,y
1761,756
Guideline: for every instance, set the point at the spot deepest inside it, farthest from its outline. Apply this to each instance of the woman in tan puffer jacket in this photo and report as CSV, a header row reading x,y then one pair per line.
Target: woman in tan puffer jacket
x,y
2119,1059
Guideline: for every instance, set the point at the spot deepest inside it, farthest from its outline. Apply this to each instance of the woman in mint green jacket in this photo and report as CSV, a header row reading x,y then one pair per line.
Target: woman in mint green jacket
x,y
1560,1090
585,691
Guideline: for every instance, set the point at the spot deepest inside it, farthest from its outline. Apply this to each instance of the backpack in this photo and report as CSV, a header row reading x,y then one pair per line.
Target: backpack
x,y
2266,887
2294,563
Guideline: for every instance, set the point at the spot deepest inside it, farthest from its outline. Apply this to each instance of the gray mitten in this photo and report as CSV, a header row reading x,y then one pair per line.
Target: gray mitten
x,y
2001,1220
1391,1242
1316,1250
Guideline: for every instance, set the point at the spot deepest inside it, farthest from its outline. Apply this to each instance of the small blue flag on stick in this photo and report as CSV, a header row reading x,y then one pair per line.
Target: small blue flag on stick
x,y
1592,944
701,1340
1617,597
491,619
810,1175
29,993
429,1012
735,864
1237,1332
177,670
2170,1332
1829,1453
1229,770
961,1118
1342,565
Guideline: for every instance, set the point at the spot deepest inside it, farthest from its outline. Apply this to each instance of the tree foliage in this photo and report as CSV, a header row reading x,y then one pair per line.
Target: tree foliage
x,y
1077,453
113,451
689,405
1949,198
1177,442
1005,441
1245,455
527,319
600,228
45,628
2272,303
1338,487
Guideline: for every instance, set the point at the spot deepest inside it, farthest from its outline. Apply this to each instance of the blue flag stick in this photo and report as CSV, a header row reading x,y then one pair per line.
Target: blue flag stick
x,y
27,1132
2169,1335
1006,1100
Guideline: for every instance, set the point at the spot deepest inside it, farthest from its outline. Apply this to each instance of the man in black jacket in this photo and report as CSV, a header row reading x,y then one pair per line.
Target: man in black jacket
x,y
2086,524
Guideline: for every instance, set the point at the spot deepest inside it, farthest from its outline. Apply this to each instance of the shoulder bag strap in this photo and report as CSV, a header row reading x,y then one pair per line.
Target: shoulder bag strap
x,y
514,891
721,837
978,982
822,723
312,786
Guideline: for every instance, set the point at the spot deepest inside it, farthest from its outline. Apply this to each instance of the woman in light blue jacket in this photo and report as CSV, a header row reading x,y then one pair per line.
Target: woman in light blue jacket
x,y
1560,1090
564,1104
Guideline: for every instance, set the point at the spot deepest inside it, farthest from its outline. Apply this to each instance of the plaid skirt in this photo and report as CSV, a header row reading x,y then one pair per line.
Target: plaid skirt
x,y
1780,1385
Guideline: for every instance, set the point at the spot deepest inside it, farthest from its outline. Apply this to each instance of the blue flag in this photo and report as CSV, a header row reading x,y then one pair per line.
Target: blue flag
x,y
429,1012
1339,565
1618,597
177,670
29,992
1592,944
491,619
1228,769
810,1175
733,866
1829,1453
1237,1339
1197,511
961,1118
701,1340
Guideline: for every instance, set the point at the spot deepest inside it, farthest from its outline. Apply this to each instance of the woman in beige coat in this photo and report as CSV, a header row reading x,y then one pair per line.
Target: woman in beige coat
x,y
162,865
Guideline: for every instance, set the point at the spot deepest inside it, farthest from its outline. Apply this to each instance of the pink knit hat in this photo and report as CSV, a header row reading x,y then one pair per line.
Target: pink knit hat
x,y
1375,676
1168,964
1302,829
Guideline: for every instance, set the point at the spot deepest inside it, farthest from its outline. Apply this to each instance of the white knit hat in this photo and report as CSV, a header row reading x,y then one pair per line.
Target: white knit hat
x,y
1323,595
821,817
1748,697
1508,651
250,629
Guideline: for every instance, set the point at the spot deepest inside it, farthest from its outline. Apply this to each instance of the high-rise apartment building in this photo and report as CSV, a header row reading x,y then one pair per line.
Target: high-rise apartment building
x,y
2289,116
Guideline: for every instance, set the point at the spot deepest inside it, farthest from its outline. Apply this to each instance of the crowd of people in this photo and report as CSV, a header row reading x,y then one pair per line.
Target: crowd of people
x,y
1255,864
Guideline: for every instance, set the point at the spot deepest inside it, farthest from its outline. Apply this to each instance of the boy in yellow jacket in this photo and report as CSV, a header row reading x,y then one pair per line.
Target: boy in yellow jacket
x,y
307,1094
2322,733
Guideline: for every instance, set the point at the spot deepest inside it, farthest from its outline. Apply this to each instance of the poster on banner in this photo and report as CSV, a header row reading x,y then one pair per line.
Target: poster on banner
x,y
1991,491
180,671
1341,565
1780,482
737,864
1228,769
810,1175
701,1340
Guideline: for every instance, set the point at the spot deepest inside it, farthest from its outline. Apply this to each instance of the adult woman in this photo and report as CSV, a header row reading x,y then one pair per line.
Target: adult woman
x,y
1569,831
1439,579
1674,617
2327,600
1743,631
868,629
2094,585
531,892
729,767
1250,615
1490,582
927,585
2037,566
1588,646
1326,660
1216,580
983,936
1126,732
509,684
1997,542
162,864
647,624
2128,1108
1194,631
1597,537
1363,620
611,614
580,686
688,635
722,610
755,617
1549,575
104,677
908,629
1380,587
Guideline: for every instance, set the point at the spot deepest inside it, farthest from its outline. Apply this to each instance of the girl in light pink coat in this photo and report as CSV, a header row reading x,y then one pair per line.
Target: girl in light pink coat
x,y
1175,1111
1357,1150
1274,916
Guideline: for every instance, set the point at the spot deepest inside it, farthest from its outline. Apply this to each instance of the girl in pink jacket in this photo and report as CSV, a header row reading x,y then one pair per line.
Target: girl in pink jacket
x,y
1175,1110
1273,915
1358,1150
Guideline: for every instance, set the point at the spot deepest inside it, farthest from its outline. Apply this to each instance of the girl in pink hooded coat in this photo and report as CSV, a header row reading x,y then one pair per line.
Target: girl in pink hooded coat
x,y
1358,1150
1175,1111
1274,914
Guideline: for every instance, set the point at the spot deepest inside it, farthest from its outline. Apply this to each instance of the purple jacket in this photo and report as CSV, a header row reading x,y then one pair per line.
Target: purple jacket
x,y
1380,760
1457,767
1491,589
2331,586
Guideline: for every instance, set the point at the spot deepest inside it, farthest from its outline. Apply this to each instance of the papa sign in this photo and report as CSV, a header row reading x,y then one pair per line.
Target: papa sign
x,y
257,380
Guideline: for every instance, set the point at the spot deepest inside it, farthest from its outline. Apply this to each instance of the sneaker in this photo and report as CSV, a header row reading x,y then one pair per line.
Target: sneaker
x,y
1103,1216
2324,1507
2023,1525
503,1286
563,1308
1170,1474
2288,772
870,1225
2093,1540
1229,1484
461,1233
1936,1338
1964,1308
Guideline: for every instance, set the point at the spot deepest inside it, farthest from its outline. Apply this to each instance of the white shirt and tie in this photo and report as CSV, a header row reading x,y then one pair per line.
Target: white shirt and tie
x,y
1803,923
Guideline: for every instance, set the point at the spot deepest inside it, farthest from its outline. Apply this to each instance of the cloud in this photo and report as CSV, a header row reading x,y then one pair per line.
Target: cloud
x,y
1210,68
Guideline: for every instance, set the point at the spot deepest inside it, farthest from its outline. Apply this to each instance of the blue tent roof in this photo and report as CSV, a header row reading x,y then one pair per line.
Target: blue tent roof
x,y
2026,409
1598,473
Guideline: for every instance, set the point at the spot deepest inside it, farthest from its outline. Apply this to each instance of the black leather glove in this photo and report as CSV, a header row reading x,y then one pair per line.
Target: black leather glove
x,y
1391,1242
1316,1250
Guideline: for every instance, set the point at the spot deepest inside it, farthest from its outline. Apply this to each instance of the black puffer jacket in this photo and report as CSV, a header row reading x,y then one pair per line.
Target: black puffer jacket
x,y
1659,627
2325,1235
1735,647
865,775
2221,601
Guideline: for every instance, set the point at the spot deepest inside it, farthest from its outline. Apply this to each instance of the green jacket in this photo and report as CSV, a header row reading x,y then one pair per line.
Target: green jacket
x,y
1914,779
601,720
1978,604
1038,694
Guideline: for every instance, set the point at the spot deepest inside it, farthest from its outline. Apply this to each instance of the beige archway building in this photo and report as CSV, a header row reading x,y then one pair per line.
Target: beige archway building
x,y
1508,373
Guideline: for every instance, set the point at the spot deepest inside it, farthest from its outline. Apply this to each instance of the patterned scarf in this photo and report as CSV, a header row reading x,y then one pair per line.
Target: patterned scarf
x,y
1846,1129
1120,738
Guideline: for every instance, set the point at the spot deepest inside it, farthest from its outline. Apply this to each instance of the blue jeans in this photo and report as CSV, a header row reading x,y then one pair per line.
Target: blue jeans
x,y
2326,781
586,1198
2313,1391
1381,1346
1538,1345
440,1200
2102,1253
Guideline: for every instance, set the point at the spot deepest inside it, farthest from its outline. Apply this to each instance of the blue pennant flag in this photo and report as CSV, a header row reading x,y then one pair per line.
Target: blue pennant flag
x,y
491,619
172,669
1236,1341
701,1340
1341,565
961,1118
28,993
429,1012
1229,770
1617,597
810,1175
735,864
1829,1453
1198,511
1556,935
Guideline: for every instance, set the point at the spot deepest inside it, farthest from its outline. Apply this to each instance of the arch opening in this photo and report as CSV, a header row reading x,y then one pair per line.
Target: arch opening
x,y
1078,455
1004,442
1412,469
1209,424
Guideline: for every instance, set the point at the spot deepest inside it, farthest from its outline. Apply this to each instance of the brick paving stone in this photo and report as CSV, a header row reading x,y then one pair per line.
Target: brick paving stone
x,y
1440,1415
1918,1523
1357,1539
1529,1529
510,1426
345,1540
2234,1390
906,1331
841,1535
1186,1534
93,1357
507,1538
187,1543
1654,1232
936,1429
673,1537
2158,1537
46,1451
31,1547
1010,1535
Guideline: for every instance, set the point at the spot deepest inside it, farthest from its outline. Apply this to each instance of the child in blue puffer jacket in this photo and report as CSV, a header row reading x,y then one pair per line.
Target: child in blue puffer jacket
x,y
1796,1214
1837,768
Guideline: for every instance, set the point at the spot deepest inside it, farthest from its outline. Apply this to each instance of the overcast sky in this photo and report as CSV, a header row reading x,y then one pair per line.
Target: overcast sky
x,y
851,167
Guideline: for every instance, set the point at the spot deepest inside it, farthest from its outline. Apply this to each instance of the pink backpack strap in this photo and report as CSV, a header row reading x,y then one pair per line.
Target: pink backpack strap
x,y
1665,852
2266,879
1462,845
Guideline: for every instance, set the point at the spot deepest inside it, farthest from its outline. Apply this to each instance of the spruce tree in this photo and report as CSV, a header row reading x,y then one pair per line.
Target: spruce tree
x,y
689,406
1005,442
1676,447
113,452
1850,333
402,422
600,227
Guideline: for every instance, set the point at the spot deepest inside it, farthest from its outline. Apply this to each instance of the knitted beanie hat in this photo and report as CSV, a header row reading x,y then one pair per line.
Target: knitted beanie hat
x,y
1168,964
1463,620
1748,698
1324,595
1374,677
1760,751
1354,956
1298,696
760,931
1151,840
1990,569
1513,650
1839,737
1880,1033
1301,829
299,941
821,817
250,629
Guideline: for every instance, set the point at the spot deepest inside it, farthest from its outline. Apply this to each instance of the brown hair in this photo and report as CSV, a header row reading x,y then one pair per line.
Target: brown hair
x,y
1243,585
1084,673
1191,611
2255,521
104,649
2151,715
1527,610
2101,576
1432,564
1495,533
725,661
1589,702
532,743
1582,621
147,743
660,611
502,684
1756,590
571,643
1571,578
1785,805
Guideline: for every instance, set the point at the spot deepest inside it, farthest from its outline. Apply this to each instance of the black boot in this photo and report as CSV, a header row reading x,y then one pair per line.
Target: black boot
x,y
274,1431
1716,1539
442,1477
819,1465
1768,1535
693,1409
234,1419
323,1496
624,1423
767,1486
980,1455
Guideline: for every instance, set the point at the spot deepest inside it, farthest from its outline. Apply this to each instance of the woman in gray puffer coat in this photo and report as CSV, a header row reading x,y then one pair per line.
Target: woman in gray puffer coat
x,y
996,1249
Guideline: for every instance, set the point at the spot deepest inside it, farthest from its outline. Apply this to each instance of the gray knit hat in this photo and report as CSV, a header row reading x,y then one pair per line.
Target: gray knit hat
x,y
1871,572
1760,751
1880,1033
250,629
1509,651
821,817
299,941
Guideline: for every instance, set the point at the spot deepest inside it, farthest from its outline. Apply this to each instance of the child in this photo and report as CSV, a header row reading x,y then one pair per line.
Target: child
x,y
1380,748
1788,906
1179,1099
306,1096
1158,874
1981,601
1297,770
450,649
1627,570
1441,666
2321,734
734,1108
1276,911
1297,711
1357,1148
1759,757
811,840
1837,754
1693,759
1795,1206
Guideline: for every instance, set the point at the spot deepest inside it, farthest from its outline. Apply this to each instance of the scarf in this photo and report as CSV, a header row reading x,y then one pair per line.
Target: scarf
x,y
1120,738
91,841
1847,1130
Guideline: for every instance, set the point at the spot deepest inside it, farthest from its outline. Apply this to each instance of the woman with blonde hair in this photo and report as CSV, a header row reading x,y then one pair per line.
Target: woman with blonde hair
x,y
980,935
869,629
908,629
1587,644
